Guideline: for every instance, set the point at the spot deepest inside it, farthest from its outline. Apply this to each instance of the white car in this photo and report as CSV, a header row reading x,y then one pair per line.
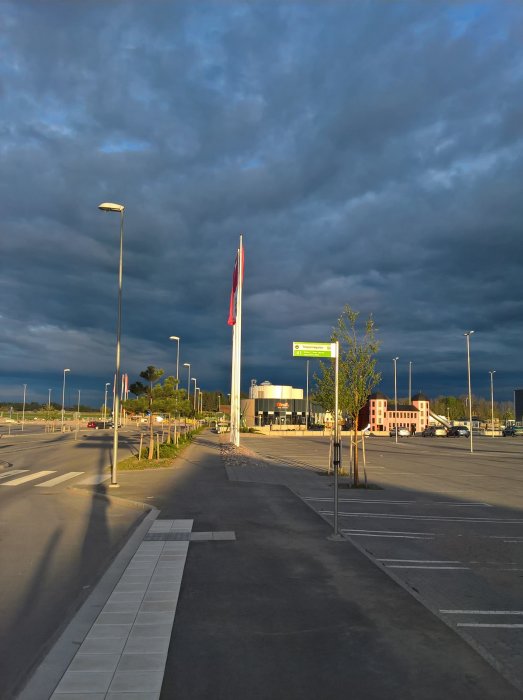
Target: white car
x,y
402,432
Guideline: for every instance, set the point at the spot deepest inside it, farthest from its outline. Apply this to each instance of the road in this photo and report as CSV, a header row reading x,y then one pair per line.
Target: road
x,y
445,524
57,537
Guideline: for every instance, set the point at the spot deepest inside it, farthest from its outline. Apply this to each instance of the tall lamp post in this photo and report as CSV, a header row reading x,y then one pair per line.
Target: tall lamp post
x,y
492,372
105,401
23,409
111,206
467,336
410,382
63,399
193,379
175,337
49,405
188,365
395,360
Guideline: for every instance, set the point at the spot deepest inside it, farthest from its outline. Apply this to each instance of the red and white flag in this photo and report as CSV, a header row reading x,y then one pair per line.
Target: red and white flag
x,y
232,305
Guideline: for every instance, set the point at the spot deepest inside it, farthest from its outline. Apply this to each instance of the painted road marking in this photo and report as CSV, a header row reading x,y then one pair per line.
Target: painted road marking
x,y
59,479
424,561
439,518
393,532
482,612
432,568
29,477
11,473
371,534
486,624
417,503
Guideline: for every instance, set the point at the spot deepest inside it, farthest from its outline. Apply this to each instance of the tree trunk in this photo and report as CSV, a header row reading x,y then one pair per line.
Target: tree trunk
x,y
355,453
151,432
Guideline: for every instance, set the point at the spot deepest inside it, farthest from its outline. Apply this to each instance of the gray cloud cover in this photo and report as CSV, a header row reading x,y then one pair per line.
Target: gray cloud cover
x,y
370,152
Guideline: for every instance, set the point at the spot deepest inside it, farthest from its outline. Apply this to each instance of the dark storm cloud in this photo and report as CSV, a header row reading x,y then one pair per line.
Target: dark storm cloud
x,y
371,153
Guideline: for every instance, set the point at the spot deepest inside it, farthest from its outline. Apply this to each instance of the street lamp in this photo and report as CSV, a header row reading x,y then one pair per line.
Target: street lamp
x,y
395,360
175,337
492,372
111,206
410,382
196,398
193,379
105,401
63,399
467,336
23,409
187,364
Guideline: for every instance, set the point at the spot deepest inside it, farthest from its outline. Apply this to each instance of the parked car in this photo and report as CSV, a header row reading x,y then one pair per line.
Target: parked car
x,y
458,431
402,432
513,431
91,424
434,431
316,426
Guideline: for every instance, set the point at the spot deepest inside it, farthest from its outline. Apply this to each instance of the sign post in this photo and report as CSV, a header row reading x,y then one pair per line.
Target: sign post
x,y
332,350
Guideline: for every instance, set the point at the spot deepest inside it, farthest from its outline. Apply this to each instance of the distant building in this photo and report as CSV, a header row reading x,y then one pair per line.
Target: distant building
x,y
273,404
380,415
518,405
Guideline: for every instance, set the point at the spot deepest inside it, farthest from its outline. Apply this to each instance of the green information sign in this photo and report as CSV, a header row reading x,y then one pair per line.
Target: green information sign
x,y
300,349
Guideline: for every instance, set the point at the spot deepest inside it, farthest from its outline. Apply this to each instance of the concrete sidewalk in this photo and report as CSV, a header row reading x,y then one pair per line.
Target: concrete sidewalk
x,y
283,612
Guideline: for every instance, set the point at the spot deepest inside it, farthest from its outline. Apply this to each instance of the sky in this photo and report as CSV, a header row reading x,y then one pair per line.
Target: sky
x,y
370,153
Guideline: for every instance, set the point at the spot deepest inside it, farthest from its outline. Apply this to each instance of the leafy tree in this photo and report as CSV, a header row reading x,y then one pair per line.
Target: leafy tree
x,y
357,375
145,391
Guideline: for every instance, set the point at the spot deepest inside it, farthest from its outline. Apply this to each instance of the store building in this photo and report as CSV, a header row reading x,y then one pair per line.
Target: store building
x,y
380,415
271,404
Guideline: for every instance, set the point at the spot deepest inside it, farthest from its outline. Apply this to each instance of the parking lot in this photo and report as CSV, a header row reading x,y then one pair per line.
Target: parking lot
x,y
446,524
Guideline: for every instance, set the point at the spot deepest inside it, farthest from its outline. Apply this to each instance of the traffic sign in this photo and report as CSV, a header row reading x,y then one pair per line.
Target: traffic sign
x,y
300,349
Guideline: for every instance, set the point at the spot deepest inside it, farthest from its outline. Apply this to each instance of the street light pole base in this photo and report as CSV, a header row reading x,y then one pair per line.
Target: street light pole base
x,y
336,538
114,486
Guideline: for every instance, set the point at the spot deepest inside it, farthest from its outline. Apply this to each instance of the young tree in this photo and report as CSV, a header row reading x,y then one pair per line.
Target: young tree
x,y
151,375
357,375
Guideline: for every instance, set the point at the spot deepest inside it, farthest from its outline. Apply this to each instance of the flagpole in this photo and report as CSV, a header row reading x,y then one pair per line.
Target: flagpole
x,y
233,383
238,326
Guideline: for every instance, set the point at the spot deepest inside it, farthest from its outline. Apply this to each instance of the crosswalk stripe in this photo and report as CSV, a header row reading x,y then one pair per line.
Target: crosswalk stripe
x,y
58,479
11,473
29,477
93,480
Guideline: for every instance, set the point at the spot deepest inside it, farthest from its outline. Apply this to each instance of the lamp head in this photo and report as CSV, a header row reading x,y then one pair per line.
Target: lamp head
x,y
468,333
173,337
111,206
67,370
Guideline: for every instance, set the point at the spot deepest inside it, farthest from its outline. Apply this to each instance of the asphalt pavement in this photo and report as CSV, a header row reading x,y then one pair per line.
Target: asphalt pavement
x,y
280,610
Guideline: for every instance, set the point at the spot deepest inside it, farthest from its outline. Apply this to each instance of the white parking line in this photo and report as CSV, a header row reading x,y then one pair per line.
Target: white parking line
x,y
432,568
439,518
29,477
58,479
486,624
424,561
482,612
417,503
372,534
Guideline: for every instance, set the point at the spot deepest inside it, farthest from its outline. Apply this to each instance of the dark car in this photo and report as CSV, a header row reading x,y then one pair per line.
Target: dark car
x,y
430,431
458,431
316,426
513,431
